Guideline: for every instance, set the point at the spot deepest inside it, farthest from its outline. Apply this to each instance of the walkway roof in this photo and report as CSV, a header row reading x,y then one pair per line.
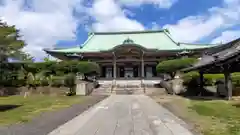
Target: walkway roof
x,y
220,58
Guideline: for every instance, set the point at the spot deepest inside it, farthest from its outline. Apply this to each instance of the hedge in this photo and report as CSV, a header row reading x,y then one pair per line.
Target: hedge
x,y
43,73
210,79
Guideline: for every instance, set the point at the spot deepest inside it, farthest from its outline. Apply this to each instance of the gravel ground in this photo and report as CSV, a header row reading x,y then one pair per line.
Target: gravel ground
x,y
48,121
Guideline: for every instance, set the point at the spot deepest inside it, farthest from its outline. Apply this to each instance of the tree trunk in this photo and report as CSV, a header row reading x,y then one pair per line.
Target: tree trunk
x,y
172,74
27,93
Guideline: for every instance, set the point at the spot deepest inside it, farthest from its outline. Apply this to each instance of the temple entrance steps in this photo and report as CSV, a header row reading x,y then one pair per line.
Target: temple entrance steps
x,y
127,83
116,90
102,91
125,87
127,91
105,88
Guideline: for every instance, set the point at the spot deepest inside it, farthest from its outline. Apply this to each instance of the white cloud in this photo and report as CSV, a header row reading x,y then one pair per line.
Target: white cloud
x,y
227,36
118,23
155,26
42,23
195,28
159,3
115,20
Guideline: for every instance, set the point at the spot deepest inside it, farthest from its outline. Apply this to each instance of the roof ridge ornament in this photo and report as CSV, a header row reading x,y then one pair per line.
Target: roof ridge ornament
x,y
167,31
90,33
128,41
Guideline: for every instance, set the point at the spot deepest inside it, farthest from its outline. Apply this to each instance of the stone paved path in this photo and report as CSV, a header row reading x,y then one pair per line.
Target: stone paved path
x,y
125,115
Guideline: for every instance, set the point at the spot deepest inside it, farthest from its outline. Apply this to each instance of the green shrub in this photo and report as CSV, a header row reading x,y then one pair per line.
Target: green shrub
x,y
6,83
172,66
34,74
44,81
236,79
18,83
57,81
210,79
12,81
31,81
69,82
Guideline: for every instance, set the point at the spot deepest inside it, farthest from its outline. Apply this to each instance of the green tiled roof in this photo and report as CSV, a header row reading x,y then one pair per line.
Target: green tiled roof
x,y
189,46
103,41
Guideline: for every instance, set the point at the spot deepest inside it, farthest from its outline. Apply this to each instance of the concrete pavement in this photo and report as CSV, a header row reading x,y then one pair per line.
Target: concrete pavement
x,y
124,115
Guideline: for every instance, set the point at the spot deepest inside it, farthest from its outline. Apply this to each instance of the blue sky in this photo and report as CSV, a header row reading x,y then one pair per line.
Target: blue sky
x,y
66,23
150,15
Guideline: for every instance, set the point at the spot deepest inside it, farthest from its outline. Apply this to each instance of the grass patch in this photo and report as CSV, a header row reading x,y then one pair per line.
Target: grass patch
x,y
219,113
26,108
211,117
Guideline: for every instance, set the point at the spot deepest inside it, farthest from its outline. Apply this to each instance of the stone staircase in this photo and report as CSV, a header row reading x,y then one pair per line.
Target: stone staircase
x,y
103,89
125,87
128,91
128,87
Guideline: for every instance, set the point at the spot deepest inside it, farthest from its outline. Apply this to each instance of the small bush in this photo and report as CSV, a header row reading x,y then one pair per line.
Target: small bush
x,y
44,81
210,79
32,73
18,82
69,82
57,81
189,76
236,80
32,81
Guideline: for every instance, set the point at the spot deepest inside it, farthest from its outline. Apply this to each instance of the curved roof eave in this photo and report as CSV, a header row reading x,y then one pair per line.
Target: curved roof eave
x,y
82,48
168,35
89,38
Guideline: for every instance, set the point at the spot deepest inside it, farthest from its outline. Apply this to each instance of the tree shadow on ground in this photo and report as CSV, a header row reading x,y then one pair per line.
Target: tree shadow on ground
x,y
237,105
200,94
4,108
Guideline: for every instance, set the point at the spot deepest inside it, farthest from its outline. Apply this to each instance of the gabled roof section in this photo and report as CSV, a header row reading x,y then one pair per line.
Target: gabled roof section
x,y
217,55
104,41
189,46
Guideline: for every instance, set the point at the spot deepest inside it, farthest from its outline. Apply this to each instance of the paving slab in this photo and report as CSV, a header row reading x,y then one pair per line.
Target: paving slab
x,y
125,115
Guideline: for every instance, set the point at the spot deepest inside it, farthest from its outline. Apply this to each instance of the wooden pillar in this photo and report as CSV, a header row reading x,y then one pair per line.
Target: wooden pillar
x,y
228,84
201,78
114,66
139,69
142,62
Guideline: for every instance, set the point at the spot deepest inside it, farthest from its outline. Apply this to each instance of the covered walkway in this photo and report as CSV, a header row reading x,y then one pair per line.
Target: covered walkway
x,y
223,59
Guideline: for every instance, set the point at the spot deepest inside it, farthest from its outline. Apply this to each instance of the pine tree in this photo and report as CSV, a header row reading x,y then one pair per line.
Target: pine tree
x,y
11,43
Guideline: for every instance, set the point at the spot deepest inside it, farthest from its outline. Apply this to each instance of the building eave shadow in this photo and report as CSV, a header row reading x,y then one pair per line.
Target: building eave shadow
x,y
200,94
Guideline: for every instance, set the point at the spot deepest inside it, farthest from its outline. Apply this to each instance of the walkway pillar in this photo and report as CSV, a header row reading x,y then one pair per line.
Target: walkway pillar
x,y
114,66
228,84
201,78
142,63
